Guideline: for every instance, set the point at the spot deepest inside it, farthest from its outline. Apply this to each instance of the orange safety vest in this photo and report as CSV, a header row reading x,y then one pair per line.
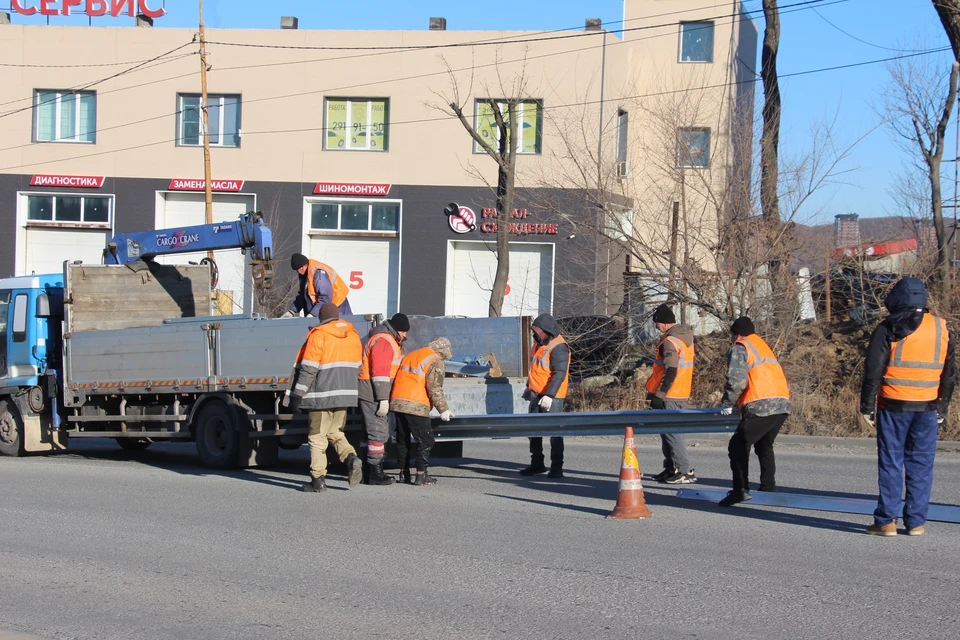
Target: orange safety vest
x,y
340,289
683,383
411,381
765,377
540,368
365,370
333,350
916,362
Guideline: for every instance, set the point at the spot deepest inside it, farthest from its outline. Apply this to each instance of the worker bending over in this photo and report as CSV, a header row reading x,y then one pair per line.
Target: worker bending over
x,y
319,283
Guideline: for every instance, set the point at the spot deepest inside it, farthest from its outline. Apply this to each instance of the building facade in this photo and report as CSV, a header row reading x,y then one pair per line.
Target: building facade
x,y
346,142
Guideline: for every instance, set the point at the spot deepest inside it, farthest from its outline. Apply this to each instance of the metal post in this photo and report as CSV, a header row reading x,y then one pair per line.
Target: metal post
x,y
208,187
674,230
827,279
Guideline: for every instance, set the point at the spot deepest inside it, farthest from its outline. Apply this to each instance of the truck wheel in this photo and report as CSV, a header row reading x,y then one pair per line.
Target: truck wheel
x,y
11,429
133,444
217,438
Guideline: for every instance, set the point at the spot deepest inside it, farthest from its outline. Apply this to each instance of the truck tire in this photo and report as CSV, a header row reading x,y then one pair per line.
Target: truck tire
x,y
133,444
218,441
11,429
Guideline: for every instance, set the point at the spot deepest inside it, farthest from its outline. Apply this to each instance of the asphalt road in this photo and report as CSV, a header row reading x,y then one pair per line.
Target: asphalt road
x,y
106,544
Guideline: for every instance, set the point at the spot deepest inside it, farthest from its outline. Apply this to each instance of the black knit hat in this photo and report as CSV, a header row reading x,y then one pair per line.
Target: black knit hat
x,y
742,326
400,322
664,314
329,311
298,260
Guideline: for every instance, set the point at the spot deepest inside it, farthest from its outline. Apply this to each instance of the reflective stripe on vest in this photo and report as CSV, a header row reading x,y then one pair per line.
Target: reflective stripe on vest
x,y
411,381
765,377
683,383
916,362
339,286
365,367
539,377
336,359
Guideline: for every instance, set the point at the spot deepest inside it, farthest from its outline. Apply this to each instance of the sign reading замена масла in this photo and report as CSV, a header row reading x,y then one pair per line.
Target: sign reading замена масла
x,y
186,184
93,8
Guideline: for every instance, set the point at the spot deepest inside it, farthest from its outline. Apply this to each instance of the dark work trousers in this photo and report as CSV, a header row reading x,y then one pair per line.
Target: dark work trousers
x,y
758,433
906,442
378,431
673,445
556,442
418,427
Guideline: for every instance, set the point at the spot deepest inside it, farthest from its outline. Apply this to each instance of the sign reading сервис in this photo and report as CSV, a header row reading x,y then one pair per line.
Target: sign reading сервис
x,y
93,8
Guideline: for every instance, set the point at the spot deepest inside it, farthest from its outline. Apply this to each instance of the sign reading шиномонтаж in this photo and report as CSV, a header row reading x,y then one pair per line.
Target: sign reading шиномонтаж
x,y
184,184
350,189
92,8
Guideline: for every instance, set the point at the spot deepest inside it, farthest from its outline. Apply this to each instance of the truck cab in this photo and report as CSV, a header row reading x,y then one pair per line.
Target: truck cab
x,y
30,312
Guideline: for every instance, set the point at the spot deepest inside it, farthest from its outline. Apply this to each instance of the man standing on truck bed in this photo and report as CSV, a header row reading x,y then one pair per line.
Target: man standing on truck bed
x,y
546,389
669,387
324,383
381,362
319,283
417,389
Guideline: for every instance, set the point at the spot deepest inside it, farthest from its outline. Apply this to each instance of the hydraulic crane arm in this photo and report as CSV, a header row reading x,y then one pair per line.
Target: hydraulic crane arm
x,y
250,233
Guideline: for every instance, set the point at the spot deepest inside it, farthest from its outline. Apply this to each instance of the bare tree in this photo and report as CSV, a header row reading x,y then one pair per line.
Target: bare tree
x,y
770,138
918,105
949,12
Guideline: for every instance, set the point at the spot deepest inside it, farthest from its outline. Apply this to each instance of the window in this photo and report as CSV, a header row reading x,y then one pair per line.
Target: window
x,y
356,124
623,120
20,317
67,208
64,116
696,42
529,125
223,112
355,216
619,223
693,148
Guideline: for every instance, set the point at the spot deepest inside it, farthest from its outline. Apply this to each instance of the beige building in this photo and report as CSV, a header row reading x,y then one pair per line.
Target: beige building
x,y
346,141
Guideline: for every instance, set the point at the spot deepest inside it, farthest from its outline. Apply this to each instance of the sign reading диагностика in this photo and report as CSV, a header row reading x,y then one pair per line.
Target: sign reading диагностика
x,y
93,8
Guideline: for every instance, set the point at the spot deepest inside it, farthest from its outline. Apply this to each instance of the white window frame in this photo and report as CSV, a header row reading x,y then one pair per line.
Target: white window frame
x,y
500,102
311,230
713,42
682,153
25,203
211,99
56,126
349,109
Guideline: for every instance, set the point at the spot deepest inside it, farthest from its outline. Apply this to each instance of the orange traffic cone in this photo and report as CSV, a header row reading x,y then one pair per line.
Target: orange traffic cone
x,y
630,502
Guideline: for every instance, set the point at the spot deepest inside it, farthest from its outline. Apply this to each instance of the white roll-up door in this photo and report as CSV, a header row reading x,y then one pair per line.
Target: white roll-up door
x,y
47,248
369,266
471,267
177,209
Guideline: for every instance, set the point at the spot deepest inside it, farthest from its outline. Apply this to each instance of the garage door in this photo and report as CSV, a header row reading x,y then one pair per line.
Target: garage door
x,y
48,248
471,267
188,209
369,266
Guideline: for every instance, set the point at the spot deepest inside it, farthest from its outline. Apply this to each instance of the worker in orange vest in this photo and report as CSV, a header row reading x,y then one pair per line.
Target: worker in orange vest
x,y
381,362
547,389
324,383
909,376
669,387
319,283
756,384
417,389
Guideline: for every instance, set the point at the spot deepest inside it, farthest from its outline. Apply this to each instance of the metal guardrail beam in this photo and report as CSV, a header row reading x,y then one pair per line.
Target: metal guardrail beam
x,y
593,423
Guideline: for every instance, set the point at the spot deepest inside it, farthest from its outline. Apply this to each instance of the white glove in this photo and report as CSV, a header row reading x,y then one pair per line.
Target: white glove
x,y
726,411
545,403
446,415
383,407
869,420
288,314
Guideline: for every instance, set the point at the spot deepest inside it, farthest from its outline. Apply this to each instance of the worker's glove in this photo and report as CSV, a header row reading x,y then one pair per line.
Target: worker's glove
x,y
446,415
527,394
294,404
868,420
289,314
383,407
545,403
726,411
941,419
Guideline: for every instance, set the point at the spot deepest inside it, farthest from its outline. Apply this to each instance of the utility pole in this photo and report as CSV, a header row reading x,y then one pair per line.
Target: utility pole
x,y
207,186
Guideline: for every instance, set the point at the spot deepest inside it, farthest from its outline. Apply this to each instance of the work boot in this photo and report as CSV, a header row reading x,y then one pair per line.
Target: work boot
x,y
536,466
377,476
888,530
424,479
354,470
666,473
404,477
682,478
555,472
317,485
735,497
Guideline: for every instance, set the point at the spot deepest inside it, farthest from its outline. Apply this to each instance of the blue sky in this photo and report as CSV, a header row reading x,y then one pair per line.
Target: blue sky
x,y
848,98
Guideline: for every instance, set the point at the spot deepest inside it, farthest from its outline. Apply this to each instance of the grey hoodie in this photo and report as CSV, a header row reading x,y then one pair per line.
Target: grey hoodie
x,y
559,356
671,357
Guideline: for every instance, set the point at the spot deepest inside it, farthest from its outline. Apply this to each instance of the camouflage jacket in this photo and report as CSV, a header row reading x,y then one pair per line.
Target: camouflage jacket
x,y
435,374
737,384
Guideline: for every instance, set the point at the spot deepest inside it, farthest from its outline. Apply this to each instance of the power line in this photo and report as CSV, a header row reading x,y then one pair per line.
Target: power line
x,y
861,40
